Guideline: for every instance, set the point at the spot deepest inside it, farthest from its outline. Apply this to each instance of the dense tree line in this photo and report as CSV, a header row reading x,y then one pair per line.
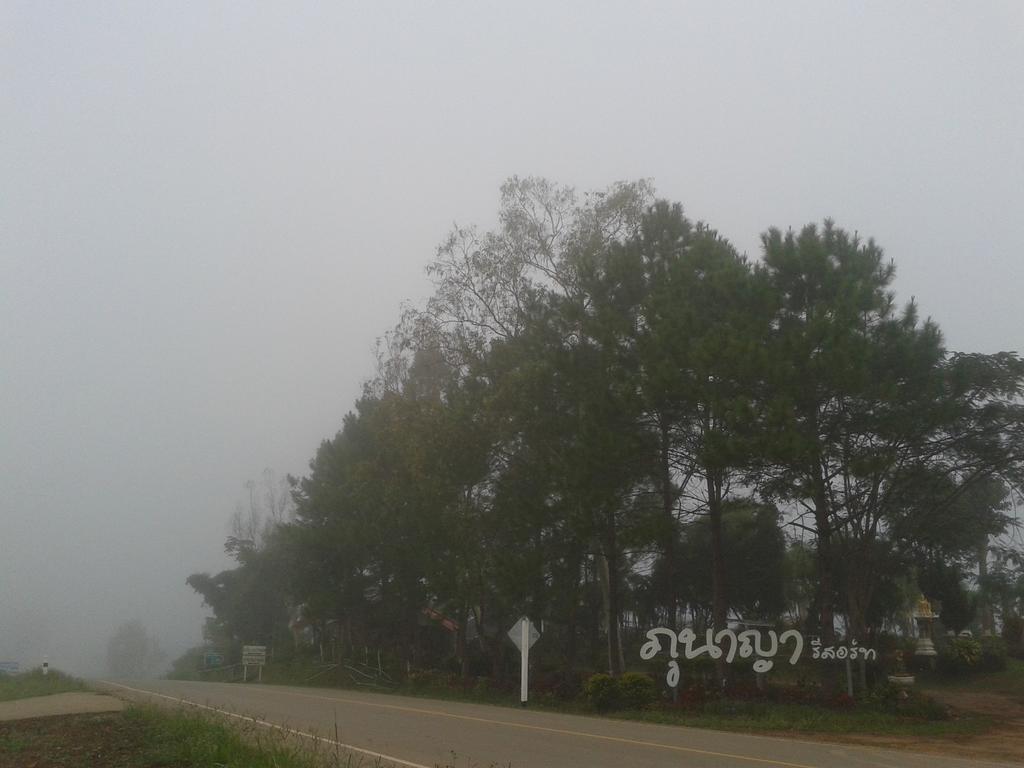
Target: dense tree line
x,y
607,418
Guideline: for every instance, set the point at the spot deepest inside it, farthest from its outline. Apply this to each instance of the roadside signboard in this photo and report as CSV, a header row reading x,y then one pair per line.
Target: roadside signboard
x,y
213,659
9,667
254,655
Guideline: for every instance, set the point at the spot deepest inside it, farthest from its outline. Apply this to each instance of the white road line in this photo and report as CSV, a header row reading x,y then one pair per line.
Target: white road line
x,y
855,751
524,726
866,754
275,726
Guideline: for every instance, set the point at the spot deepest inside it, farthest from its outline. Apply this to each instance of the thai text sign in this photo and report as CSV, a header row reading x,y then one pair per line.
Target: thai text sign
x,y
254,655
746,644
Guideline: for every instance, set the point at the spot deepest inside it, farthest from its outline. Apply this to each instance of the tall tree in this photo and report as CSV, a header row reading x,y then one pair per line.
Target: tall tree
x,y
873,422
697,324
527,286
832,293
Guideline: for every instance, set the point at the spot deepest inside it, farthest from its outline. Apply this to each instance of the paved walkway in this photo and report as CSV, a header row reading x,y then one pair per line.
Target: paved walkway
x,y
59,704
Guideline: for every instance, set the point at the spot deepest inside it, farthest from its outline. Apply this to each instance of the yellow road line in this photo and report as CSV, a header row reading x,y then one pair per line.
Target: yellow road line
x,y
291,731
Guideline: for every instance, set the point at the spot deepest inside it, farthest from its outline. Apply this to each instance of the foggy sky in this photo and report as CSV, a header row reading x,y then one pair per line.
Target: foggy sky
x,y
210,211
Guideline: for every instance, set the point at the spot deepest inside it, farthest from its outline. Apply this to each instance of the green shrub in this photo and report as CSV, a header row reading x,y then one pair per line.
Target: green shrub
x,y
960,656
603,692
187,666
1013,634
964,655
482,687
993,654
908,702
35,683
637,691
564,685
427,678
1013,629
702,667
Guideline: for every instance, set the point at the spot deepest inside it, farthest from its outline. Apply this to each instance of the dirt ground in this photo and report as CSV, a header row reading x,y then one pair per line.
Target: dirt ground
x,y
106,740
1006,741
1003,743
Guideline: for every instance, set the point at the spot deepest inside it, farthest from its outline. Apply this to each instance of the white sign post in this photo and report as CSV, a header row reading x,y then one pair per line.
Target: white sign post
x,y
524,634
46,665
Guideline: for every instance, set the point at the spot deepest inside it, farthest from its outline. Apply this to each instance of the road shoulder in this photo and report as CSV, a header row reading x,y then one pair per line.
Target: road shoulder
x,y
77,703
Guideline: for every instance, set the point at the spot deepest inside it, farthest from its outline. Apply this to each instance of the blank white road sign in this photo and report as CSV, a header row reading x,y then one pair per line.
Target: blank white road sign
x,y
516,633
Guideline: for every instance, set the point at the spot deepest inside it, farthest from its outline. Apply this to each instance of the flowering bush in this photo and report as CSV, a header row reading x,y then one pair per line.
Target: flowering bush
x,y
798,694
692,697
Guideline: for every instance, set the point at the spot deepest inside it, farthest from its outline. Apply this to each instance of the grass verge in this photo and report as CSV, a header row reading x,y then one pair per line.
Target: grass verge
x,y
755,716
793,719
1008,682
35,683
147,737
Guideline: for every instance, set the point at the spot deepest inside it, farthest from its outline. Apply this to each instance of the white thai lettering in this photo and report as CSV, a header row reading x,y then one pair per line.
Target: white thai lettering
x,y
750,643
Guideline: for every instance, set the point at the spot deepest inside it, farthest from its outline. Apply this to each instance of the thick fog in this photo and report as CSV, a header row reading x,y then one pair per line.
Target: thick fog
x,y
209,213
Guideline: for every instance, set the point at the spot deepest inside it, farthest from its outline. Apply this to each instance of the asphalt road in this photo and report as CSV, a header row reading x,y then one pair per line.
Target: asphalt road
x,y
424,733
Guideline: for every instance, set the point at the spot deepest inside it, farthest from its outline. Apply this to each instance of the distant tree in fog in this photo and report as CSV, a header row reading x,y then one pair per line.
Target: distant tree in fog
x,y
131,652
269,504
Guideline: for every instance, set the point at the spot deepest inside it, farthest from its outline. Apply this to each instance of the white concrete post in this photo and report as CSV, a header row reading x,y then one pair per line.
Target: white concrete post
x,y
524,670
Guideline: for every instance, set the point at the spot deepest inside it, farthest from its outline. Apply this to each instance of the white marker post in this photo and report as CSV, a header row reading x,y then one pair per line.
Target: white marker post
x,y
524,635
524,667
46,665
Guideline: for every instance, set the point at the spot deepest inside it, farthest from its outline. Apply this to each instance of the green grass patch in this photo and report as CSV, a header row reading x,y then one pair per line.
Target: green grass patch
x,y
35,683
1008,682
801,718
149,737
188,738
745,716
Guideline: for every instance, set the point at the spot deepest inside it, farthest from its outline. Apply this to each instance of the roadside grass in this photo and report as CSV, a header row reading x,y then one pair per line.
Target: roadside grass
x,y
746,716
802,718
182,737
35,683
150,737
147,736
1008,682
